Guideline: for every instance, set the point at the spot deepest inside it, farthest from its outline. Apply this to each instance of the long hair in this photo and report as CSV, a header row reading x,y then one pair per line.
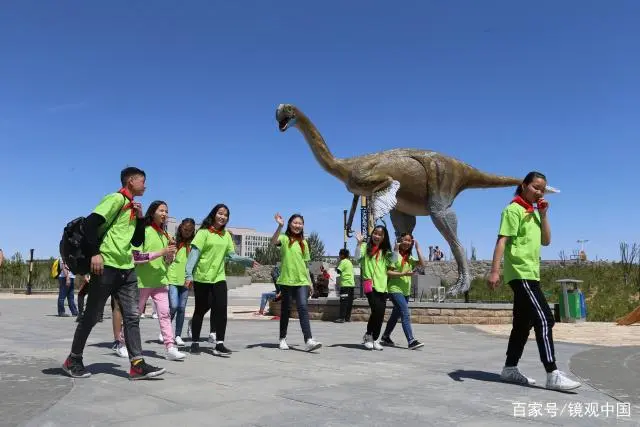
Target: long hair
x,y
211,218
402,236
528,180
151,211
179,233
289,232
385,245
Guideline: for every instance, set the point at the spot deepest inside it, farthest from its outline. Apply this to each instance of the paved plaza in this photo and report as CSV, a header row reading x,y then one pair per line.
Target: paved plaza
x,y
453,380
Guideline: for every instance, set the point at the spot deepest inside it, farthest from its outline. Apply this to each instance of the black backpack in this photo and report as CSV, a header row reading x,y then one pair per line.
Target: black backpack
x,y
73,245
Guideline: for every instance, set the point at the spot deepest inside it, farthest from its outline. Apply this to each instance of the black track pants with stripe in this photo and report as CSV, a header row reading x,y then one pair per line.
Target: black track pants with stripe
x,y
530,308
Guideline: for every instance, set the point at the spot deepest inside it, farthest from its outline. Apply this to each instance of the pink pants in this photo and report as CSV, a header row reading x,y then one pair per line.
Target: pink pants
x,y
160,296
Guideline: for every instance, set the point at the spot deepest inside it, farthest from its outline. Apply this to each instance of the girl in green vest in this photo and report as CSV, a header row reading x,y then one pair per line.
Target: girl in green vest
x,y
152,261
400,289
375,260
294,279
178,292
524,228
211,247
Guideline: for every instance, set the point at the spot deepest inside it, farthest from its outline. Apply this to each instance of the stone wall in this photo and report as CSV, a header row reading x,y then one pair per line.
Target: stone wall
x,y
447,270
328,309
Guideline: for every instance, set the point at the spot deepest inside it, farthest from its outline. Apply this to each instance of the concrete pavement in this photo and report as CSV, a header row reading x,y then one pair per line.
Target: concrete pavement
x,y
453,380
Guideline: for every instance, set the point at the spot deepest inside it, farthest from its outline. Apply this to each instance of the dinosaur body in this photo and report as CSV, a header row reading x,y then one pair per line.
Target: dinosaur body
x,y
405,183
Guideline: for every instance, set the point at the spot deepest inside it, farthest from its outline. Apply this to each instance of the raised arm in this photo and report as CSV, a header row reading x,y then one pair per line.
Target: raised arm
x,y
421,261
276,235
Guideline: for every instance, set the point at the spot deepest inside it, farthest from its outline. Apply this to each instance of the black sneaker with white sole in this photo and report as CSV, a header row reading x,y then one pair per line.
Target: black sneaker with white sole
x,y
387,341
415,344
221,350
74,367
141,370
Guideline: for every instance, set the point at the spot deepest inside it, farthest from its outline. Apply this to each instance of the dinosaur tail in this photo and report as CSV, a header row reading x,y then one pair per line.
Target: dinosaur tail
x,y
479,179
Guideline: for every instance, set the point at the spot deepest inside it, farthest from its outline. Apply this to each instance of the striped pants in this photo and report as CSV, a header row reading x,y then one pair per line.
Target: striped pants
x,y
530,308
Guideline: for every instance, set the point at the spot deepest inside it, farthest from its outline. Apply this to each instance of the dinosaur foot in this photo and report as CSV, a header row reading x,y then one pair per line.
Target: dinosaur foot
x,y
462,285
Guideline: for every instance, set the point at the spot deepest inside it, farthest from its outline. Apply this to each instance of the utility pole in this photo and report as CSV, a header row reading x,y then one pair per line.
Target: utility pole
x,y
344,222
29,285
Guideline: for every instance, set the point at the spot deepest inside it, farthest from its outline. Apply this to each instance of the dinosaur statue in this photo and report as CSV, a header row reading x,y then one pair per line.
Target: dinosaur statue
x,y
404,183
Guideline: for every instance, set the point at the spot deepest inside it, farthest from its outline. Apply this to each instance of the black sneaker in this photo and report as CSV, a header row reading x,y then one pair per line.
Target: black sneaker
x,y
221,350
387,341
195,348
415,344
74,367
142,370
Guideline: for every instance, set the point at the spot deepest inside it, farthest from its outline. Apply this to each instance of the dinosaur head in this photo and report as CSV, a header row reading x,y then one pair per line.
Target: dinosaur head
x,y
286,115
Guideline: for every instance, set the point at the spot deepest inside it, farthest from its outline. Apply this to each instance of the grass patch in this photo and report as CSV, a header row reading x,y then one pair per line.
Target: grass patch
x,y
607,294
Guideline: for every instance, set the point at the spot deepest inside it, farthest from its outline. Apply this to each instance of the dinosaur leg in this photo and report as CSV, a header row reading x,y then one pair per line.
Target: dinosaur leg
x,y
402,222
446,221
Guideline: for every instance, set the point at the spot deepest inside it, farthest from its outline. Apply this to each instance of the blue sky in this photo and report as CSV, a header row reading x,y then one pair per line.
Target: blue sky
x,y
188,91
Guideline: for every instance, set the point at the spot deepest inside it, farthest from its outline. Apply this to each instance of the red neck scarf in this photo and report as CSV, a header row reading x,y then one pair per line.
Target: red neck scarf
x,y
522,202
129,205
187,246
375,250
293,239
405,257
216,231
160,230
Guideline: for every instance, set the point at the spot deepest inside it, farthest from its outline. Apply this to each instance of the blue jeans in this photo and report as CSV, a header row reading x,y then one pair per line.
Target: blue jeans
x,y
177,303
300,293
66,292
400,310
266,296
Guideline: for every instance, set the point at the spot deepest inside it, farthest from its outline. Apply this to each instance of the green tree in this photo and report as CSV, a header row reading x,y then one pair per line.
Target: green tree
x,y
268,255
316,247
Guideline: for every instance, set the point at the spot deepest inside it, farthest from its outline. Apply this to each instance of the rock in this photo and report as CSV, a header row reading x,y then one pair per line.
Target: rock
x,y
261,274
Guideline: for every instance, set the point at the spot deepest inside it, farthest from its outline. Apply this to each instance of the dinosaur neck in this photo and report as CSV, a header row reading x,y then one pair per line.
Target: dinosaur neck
x,y
319,148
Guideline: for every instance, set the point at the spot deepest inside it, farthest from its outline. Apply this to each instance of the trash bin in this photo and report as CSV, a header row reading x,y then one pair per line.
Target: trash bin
x,y
571,301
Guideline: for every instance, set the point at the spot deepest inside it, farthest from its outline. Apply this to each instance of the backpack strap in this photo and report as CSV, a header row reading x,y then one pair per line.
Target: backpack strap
x,y
124,202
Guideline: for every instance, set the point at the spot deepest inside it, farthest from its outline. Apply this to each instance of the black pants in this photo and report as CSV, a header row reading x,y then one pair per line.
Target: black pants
x,y
378,305
210,296
81,294
122,285
530,308
301,294
346,303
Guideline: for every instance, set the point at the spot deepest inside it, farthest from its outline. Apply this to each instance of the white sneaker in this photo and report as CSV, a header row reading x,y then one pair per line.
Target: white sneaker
x,y
154,315
367,340
512,374
283,344
313,344
558,380
377,346
212,338
179,341
189,329
174,354
161,338
121,351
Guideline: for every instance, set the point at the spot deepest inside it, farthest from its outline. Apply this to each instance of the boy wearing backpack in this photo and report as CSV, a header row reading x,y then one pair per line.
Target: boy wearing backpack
x,y
109,232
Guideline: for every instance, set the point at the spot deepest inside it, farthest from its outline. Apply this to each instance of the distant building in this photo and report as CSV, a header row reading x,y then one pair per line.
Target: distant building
x,y
245,239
